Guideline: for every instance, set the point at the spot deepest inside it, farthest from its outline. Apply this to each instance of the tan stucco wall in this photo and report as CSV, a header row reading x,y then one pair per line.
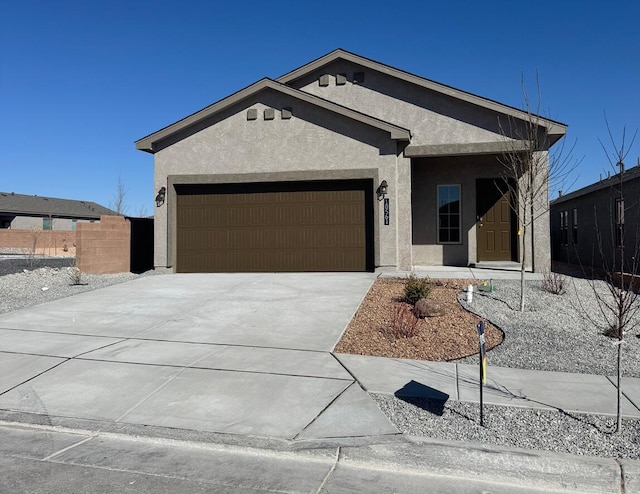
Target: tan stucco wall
x,y
432,117
32,222
427,174
317,144
540,260
314,144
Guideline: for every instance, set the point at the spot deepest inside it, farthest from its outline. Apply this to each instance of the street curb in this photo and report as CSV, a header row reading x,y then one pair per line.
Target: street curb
x,y
518,467
411,455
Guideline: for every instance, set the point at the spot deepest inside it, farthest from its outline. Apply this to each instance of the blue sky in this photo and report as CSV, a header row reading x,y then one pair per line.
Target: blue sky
x,y
81,81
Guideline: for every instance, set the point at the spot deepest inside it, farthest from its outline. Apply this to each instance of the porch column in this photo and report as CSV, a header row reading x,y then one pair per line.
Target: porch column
x,y
541,248
403,212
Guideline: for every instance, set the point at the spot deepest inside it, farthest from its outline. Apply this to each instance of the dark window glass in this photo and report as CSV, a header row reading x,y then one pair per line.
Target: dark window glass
x,y
449,214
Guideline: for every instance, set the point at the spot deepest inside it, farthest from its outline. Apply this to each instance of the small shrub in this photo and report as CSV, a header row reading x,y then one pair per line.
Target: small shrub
x,y
415,289
554,283
75,275
405,322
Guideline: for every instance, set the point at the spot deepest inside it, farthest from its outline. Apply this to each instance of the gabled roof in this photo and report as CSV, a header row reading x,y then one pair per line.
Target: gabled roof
x,y
149,143
555,129
25,205
612,181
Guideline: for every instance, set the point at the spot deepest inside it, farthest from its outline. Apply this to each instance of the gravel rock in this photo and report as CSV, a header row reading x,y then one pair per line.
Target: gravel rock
x,y
27,288
18,264
428,308
553,333
547,430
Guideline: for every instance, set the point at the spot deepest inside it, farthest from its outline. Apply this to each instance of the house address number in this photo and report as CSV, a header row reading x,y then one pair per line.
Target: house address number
x,y
386,211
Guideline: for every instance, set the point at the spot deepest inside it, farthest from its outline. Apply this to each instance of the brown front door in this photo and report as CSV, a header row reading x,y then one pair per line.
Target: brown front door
x,y
494,218
297,226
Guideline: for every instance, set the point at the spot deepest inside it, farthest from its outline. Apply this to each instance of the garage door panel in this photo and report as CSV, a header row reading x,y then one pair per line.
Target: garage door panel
x,y
308,230
272,261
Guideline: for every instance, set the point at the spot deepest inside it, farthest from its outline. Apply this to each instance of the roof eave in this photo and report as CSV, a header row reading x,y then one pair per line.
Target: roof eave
x,y
148,143
553,126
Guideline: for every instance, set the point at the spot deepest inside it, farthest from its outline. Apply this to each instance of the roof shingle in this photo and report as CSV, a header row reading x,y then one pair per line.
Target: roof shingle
x,y
26,205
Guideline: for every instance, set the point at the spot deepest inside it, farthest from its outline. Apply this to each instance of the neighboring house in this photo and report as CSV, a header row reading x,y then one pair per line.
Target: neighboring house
x,y
20,211
586,223
344,164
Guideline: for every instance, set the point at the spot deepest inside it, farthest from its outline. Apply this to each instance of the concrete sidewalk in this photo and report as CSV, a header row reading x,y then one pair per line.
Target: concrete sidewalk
x,y
49,459
243,354
582,393
245,361
482,271
505,386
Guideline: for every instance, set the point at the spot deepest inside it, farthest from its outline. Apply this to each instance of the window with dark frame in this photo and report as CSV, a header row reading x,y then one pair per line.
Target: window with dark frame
x,y
564,228
449,214
574,226
47,224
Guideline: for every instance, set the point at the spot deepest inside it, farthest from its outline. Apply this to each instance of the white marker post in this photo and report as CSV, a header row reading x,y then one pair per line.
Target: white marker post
x,y
483,367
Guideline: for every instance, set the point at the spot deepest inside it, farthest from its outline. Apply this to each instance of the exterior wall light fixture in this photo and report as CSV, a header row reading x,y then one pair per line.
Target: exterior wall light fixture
x,y
162,193
383,188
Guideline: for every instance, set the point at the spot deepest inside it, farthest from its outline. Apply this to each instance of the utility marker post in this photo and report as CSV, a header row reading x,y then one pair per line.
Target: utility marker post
x,y
483,367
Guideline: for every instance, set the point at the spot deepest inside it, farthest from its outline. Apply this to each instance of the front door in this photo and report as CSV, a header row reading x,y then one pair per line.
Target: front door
x,y
493,220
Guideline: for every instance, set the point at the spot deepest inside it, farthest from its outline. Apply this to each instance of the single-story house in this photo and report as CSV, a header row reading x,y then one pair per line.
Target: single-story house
x,y
593,222
26,212
343,164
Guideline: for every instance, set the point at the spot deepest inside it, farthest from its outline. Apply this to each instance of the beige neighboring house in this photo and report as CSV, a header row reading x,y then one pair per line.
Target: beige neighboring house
x,y
25,212
343,164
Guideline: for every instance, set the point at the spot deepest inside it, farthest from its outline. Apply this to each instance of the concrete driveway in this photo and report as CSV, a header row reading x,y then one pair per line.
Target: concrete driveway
x,y
240,354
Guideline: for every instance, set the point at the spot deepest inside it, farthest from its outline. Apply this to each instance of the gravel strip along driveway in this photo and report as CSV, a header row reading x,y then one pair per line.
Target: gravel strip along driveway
x,y
552,333
26,287
18,264
588,435
568,343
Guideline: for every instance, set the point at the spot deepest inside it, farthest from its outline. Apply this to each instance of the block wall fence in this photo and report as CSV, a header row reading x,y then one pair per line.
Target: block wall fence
x,y
104,247
38,242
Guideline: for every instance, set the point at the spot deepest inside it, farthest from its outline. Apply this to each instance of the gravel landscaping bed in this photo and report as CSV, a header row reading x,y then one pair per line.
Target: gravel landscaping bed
x,y
553,333
578,434
17,264
26,288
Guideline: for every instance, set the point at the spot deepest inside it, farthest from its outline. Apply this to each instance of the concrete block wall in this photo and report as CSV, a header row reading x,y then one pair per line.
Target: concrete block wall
x,y
46,242
104,247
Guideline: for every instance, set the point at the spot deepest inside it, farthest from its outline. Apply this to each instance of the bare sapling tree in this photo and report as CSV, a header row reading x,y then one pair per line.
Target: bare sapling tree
x,y
619,254
118,202
34,234
530,171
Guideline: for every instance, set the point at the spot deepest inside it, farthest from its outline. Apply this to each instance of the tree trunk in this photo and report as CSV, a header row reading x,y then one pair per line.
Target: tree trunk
x,y
523,259
619,409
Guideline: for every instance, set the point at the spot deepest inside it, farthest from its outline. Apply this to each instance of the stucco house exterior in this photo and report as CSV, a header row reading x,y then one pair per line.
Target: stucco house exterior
x,y
343,164
25,212
592,221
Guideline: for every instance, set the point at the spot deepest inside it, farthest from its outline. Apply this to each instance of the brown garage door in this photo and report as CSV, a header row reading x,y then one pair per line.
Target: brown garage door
x,y
274,227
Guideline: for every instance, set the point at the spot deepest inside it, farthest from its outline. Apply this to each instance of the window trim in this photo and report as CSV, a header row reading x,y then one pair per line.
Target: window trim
x,y
459,214
574,226
564,227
